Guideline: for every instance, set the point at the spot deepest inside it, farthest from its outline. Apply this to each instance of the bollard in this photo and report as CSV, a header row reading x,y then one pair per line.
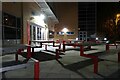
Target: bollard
x,y
95,61
63,47
60,46
45,47
116,46
107,47
32,51
118,56
89,47
16,57
36,70
28,52
64,42
29,43
74,46
53,43
19,51
81,50
57,53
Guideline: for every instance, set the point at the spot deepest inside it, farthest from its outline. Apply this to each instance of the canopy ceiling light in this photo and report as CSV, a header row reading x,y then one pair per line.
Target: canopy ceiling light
x,y
65,30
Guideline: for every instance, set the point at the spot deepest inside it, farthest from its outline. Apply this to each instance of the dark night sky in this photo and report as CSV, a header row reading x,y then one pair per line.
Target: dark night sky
x,y
105,10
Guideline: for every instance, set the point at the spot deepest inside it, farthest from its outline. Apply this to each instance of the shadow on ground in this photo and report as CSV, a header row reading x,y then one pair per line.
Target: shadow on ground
x,y
41,56
78,49
75,67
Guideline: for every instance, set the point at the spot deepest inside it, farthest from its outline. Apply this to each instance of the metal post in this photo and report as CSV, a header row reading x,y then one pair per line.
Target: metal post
x,y
107,47
95,61
36,70
57,53
29,42
16,57
89,47
45,47
81,50
19,51
53,43
32,51
64,42
118,56
28,52
60,46
63,47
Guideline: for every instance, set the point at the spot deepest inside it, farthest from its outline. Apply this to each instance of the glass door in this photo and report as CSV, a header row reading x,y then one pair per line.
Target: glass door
x,y
35,32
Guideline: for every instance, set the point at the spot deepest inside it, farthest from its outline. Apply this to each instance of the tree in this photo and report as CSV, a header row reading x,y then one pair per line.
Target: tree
x,y
111,29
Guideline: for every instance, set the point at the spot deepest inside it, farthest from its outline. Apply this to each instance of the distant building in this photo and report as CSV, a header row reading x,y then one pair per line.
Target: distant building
x,y
87,20
67,14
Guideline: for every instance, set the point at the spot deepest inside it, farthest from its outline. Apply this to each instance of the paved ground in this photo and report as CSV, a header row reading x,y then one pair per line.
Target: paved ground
x,y
69,66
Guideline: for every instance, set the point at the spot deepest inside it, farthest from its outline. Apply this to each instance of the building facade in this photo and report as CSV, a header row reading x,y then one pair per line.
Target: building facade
x,y
25,21
87,20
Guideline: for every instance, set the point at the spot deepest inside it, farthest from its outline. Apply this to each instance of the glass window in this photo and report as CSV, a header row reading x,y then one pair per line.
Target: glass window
x,y
9,33
11,26
61,33
70,33
18,33
18,22
9,20
34,33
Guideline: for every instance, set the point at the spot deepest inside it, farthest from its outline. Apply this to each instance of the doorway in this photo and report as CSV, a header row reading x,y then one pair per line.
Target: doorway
x,y
36,32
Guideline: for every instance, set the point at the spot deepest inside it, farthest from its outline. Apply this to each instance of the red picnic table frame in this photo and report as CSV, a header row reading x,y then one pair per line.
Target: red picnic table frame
x,y
81,45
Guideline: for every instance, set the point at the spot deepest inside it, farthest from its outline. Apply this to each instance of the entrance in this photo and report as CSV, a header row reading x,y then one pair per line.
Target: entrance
x,y
36,32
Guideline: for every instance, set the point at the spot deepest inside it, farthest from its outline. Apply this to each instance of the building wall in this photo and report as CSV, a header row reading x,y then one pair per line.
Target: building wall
x,y
12,8
67,14
30,10
87,19
27,11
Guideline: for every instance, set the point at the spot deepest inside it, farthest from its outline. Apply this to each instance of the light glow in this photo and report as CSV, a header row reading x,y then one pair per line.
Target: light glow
x,y
39,20
76,38
65,30
105,38
96,38
118,15
117,18
42,16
